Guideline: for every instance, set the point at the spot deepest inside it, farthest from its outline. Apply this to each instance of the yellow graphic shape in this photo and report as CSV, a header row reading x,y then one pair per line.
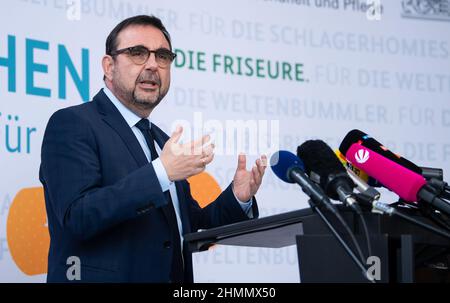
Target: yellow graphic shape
x,y
27,231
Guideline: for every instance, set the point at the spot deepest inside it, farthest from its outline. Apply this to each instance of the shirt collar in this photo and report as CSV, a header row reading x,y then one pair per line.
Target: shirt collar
x,y
130,117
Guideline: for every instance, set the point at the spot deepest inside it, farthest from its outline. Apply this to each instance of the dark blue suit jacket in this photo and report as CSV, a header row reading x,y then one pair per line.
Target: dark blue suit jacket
x,y
104,200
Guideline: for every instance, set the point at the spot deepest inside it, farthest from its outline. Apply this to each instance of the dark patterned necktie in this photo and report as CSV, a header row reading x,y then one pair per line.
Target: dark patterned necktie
x,y
177,273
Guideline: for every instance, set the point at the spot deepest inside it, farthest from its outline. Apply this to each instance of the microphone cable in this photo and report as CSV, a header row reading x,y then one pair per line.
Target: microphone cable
x,y
364,225
348,230
355,259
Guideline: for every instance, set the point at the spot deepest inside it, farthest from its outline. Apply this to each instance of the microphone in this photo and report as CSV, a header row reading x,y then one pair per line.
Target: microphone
x,y
356,171
357,136
323,167
363,187
370,196
289,168
360,182
409,185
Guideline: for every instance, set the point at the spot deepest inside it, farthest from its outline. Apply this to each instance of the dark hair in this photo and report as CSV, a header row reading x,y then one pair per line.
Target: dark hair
x,y
111,41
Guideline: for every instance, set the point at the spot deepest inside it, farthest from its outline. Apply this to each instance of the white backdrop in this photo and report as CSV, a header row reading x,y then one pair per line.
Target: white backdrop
x,y
388,77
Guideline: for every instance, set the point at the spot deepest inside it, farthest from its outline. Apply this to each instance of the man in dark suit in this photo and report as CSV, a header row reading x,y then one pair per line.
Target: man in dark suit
x,y
116,200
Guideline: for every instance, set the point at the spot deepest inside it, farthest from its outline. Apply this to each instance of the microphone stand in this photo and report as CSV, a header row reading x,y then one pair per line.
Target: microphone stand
x,y
386,209
340,240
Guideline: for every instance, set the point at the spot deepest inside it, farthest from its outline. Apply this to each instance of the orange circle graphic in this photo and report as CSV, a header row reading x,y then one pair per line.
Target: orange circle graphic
x,y
27,231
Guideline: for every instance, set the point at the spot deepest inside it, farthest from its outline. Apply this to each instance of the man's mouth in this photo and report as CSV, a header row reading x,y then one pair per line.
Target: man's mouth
x,y
149,84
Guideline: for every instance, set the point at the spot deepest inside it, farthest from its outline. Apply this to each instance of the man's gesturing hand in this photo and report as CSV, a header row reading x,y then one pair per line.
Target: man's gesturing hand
x,y
246,183
182,161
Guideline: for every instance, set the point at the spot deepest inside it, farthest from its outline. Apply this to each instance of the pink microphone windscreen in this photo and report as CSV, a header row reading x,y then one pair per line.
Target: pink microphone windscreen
x,y
393,176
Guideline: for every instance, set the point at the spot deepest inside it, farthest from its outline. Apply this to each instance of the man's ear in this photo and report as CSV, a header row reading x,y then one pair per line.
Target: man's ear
x,y
108,66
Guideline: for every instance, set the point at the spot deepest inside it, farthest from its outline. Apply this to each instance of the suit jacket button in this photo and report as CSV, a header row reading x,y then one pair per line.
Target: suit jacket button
x,y
167,244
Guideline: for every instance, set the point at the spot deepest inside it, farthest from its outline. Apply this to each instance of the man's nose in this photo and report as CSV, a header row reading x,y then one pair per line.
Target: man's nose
x,y
151,62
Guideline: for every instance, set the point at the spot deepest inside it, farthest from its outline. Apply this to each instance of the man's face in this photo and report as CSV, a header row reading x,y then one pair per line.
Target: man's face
x,y
141,87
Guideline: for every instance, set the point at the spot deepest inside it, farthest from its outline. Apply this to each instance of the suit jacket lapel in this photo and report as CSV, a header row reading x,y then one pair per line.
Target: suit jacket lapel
x,y
114,119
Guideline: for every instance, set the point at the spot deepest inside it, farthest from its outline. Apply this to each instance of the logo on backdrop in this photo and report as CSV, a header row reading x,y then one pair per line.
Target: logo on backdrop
x,y
426,9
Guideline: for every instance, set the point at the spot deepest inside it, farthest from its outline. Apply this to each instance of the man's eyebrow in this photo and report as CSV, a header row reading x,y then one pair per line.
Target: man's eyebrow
x,y
141,45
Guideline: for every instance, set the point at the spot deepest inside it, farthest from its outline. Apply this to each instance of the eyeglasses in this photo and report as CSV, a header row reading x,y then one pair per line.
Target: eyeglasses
x,y
139,55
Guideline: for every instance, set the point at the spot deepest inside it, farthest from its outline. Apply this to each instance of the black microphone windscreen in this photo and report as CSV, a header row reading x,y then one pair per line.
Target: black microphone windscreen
x,y
352,137
320,161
